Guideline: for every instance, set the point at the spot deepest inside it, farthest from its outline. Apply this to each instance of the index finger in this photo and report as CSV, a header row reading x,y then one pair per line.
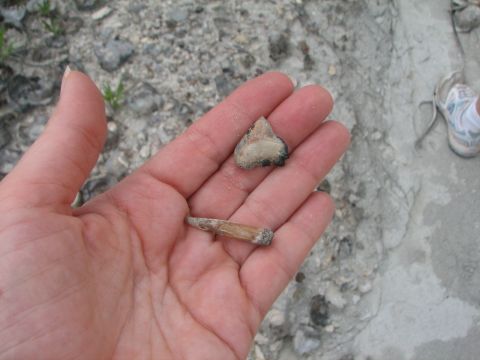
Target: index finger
x,y
195,155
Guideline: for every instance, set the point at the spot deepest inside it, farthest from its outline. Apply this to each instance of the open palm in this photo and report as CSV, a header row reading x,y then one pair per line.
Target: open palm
x,y
123,277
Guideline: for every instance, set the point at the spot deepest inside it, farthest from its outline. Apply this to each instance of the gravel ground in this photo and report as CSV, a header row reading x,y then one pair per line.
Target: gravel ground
x,y
176,59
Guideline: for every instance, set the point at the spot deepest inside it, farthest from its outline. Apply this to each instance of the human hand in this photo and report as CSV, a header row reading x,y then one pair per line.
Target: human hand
x,y
123,276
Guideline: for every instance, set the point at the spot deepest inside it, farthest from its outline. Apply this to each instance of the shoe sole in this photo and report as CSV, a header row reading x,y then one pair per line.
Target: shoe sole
x,y
460,149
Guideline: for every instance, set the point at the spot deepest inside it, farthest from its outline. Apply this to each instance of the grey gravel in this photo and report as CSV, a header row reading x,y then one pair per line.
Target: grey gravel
x,y
468,18
13,15
5,136
224,84
27,92
304,344
144,99
177,14
102,13
113,54
136,7
86,5
33,5
6,72
278,45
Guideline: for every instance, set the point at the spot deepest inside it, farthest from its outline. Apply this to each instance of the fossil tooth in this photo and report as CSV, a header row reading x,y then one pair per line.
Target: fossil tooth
x,y
260,147
258,236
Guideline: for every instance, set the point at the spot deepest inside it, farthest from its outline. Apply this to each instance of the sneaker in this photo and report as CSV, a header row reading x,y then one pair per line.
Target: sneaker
x,y
461,140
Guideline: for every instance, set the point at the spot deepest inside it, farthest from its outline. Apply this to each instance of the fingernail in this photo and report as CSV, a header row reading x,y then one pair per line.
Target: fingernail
x,y
293,80
64,78
330,93
67,72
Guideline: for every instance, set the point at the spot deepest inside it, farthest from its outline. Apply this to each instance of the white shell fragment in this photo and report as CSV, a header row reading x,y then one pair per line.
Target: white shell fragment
x,y
260,147
258,236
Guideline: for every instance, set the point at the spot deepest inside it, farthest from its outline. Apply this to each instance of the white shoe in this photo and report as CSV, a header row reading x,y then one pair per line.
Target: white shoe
x,y
462,141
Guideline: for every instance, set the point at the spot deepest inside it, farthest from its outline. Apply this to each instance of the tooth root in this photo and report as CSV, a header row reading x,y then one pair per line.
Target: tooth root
x,y
258,236
260,147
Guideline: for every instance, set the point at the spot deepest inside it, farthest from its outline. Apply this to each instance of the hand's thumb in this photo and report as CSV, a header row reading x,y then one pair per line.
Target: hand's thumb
x,y
55,167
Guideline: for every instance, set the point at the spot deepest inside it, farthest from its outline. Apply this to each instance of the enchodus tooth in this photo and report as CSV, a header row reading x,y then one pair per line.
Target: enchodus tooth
x,y
260,147
258,236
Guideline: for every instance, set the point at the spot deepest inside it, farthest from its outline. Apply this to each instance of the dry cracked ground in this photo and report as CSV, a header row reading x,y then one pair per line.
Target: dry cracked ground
x,y
396,275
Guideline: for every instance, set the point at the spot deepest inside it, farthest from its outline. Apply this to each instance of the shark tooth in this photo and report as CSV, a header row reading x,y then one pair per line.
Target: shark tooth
x,y
260,147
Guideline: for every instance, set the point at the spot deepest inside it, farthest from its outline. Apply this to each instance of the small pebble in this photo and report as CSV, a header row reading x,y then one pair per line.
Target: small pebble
x,y
102,13
27,92
13,15
332,70
468,18
365,287
5,136
276,318
334,297
112,126
86,5
113,54
177,15
319,311
276,346
241,39
145,151
329,328
259,354
144,99
224,85
304,344
299,277
261,339
376,135
278,45
33,5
